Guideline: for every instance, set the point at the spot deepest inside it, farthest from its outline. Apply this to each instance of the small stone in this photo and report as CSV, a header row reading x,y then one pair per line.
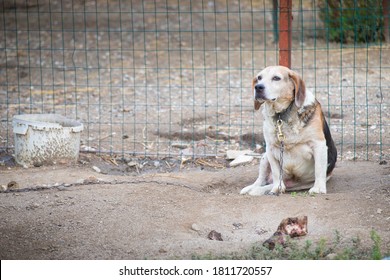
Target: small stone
x,y
233,154
3,188
91,180
132,163
12,185
162,251
213,235
33,206
80,181
379,211
242,159
195,227
180,145
261,231
187,152
97,169
237,225
331,256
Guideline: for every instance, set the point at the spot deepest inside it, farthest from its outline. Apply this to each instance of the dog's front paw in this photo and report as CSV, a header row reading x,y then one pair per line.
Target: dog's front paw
x,y
276,189
317,189
255,189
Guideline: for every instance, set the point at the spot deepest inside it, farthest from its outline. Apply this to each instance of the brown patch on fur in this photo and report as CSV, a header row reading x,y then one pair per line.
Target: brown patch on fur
x,y
300,89
257,103
318,124
307,113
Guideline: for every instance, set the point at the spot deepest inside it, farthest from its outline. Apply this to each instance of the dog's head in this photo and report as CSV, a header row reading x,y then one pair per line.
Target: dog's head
x,y
279,85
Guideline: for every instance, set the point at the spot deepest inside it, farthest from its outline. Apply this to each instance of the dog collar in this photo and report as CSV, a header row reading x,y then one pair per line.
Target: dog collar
x,y
283,115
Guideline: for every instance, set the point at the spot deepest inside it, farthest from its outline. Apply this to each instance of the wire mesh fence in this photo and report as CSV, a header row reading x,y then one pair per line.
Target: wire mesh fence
x,y
165,78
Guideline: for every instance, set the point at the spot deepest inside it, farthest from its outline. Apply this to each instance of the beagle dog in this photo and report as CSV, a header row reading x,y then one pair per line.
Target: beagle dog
x,y
300,152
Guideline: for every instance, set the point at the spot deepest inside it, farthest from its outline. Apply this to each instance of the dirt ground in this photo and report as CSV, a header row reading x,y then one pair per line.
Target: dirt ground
x,y
72,212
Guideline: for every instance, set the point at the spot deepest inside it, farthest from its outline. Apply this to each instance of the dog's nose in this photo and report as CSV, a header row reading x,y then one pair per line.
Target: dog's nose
x,y
259,88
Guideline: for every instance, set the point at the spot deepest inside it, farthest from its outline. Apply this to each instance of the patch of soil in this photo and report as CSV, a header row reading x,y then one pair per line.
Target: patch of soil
x,y
76,213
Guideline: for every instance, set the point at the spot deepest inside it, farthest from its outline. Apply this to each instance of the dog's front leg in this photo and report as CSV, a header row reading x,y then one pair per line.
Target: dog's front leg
x,y
278,185
321,160
260,186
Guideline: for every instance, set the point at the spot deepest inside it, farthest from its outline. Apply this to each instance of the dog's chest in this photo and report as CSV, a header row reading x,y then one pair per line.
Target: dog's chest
x,y
292,132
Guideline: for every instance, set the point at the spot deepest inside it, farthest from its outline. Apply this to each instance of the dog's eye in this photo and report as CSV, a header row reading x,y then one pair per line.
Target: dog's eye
x,y
276,78
259,78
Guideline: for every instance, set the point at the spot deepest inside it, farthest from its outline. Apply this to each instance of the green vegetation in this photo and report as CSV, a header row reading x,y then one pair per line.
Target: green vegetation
x,y
337,249
352,21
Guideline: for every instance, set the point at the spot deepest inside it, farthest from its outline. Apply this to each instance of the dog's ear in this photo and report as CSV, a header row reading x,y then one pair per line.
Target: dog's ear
x,y
257,103
299,89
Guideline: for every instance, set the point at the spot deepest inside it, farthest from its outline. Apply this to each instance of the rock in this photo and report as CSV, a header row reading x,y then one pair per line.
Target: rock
x,y
233,154
133,163
180,145
187,152
88,149
260,231
162,251
3,188
12,185
80,181
91,180
213,235
97,169
32,206
379,211
242,159
237,225
331,256
195,227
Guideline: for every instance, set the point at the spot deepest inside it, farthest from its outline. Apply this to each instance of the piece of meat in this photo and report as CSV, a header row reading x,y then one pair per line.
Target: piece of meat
x,y
293,227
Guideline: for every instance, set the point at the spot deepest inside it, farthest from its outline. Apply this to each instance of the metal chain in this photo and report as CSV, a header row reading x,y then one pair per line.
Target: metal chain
x,y
281,139
281,166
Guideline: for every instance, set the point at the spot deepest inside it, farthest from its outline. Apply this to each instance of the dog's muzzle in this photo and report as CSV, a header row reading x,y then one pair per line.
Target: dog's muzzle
x,y
259,92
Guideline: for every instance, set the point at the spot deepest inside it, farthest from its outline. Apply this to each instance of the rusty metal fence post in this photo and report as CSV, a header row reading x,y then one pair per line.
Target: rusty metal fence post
x,y
285,23
385,7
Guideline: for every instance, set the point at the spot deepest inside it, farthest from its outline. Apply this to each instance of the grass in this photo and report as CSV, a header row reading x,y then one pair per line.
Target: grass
x,y
337,249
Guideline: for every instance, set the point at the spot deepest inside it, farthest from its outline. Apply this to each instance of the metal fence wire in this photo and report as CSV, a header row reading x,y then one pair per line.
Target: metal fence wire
x,y
164,78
